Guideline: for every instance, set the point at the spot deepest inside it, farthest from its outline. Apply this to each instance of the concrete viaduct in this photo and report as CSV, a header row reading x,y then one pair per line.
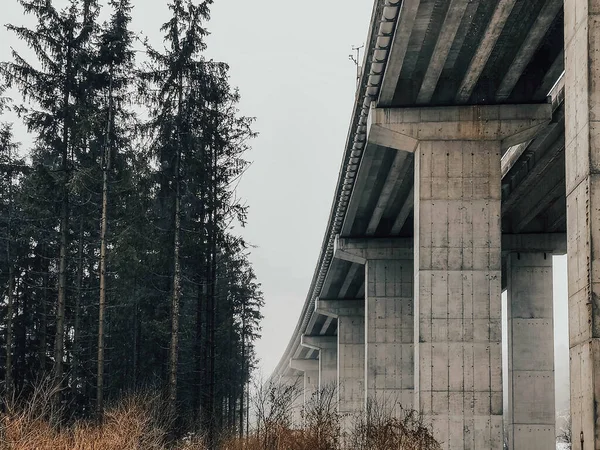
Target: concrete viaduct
x,y
473,155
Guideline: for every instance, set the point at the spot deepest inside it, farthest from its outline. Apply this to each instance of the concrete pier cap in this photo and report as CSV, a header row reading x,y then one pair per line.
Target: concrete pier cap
x,y
360,250
304,365
318,342
338,307
403,128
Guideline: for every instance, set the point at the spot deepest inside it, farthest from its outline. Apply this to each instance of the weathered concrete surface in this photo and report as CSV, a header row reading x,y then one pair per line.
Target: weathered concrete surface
x,y
389,315
389,318
351,363
351,354
293,384
327,346
457,201
311,388
530,416
582,138
457,292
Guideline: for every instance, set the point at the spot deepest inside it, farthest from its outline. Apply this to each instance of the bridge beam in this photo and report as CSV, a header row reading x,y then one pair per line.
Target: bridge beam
x,y
551,243
457,248
582,155
530,416
389,318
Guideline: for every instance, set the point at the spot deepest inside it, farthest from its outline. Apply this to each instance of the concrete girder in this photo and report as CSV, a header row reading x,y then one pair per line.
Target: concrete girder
x,y
304,365
326,324
537,200
397,173
479,60
510,124
536,33
556,70
551,243
404,28
407,207
452,21
541,167
354,269
360,250
318,342
372,156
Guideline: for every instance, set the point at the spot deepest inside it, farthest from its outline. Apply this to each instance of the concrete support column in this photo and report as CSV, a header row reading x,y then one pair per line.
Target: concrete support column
x,y
327,347
582,156
311,388
294,380
309,383
389,318
458,292
530,418
458,352
351,353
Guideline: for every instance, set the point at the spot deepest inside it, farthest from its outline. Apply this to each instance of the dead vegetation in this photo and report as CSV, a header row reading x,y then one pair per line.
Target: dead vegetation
x,y
139,423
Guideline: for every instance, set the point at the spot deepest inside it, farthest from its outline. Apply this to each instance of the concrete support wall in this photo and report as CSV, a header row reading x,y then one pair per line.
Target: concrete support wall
x,y
297,406
327,367
530,416
582,139
458,369
389,332
311,387
351,364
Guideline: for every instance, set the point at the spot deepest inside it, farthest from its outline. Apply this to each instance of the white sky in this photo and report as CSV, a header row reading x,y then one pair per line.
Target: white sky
x,y
290,62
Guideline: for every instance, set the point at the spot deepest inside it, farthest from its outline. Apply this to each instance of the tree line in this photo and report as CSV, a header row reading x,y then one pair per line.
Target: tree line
x,y
119,266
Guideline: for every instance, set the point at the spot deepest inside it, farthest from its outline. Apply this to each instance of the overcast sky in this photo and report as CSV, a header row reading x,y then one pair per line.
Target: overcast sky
x,y
290,62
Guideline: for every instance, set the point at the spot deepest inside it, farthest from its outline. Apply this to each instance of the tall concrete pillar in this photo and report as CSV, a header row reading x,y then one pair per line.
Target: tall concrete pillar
x,y
530,418
582,156
389,318
292,385
327,346
310,382
351,354
458,352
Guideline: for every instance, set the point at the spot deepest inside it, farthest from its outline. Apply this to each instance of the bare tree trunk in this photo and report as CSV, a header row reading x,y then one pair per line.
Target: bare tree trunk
x,y
59,340
9,331
11,289
77,325
175,300
103,230
243,370
176,294
43,319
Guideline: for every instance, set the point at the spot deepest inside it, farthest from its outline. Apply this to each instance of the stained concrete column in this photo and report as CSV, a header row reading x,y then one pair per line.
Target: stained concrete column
x,y
582,156
327,346
351,354
530,418
310,382
389,318
294,380
458,353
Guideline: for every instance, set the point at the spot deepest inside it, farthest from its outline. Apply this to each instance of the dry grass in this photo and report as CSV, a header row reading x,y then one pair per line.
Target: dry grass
x,y
136,423
139,423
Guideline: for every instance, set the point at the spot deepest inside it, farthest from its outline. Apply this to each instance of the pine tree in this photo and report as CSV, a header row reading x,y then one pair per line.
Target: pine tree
x,y
115,67
61,41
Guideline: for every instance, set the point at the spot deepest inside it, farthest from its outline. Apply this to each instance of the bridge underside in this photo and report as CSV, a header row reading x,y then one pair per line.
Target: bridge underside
x,y
441,77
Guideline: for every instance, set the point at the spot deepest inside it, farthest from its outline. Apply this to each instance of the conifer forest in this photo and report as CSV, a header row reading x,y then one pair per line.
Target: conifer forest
x,y
122,269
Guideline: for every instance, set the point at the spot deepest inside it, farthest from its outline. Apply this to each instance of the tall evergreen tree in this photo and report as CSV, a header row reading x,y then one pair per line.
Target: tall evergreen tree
x,y
62,44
